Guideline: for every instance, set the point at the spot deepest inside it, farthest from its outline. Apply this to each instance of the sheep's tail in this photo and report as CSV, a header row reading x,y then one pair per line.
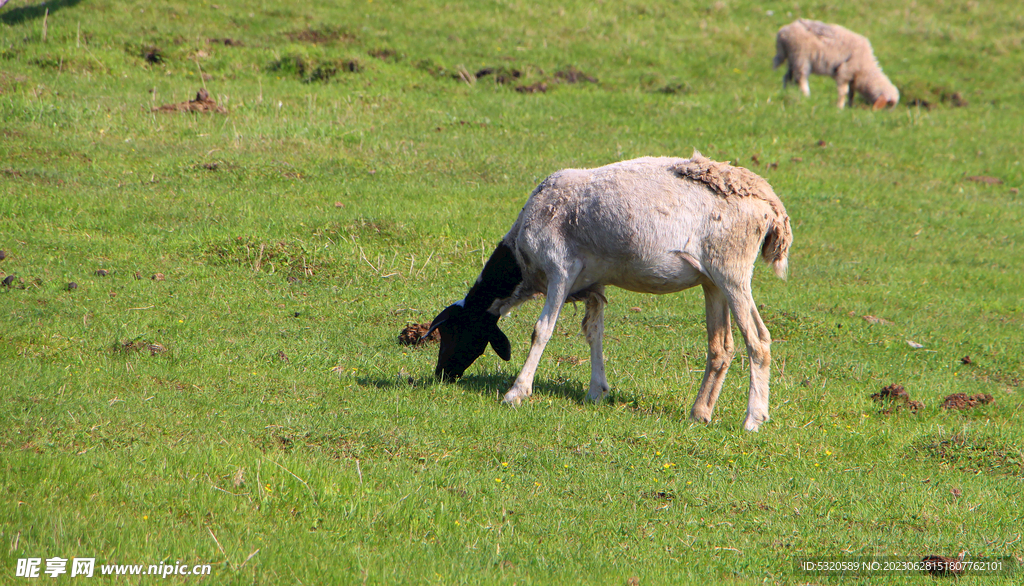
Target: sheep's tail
x,y
780,53
775,248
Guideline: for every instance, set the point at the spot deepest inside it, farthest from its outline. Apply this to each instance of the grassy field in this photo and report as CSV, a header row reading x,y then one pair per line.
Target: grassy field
x,y
231,391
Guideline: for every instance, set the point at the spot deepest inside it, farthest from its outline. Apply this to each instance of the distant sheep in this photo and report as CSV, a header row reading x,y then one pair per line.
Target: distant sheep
x,y
810,47
651,225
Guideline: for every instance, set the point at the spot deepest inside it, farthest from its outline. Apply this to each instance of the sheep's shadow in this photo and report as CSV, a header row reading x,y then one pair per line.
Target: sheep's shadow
x,y
495,385
492,385
25,13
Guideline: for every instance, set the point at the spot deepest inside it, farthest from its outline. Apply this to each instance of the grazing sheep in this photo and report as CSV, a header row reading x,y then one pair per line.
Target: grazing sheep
x,y
829,49
651,225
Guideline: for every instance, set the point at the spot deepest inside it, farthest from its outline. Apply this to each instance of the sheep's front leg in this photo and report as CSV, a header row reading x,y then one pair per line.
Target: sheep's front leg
x,y
759,352
558,289
844,95
844,85
720,352
593,329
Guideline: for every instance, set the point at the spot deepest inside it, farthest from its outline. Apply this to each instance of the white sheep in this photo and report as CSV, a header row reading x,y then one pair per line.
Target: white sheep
x,y
651,225
810,47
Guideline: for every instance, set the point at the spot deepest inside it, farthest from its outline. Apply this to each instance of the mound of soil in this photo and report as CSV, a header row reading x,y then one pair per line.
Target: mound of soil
x,y
413,334
538,88
955,99
132,346
321,36
502,75
985,179
384,54
895,397
892,393
202,104
227,42
940,565
961,401
572,75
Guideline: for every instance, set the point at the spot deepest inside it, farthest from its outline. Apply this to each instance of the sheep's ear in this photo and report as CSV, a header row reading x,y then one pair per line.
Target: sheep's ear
x,y
499,341
880,103
442,317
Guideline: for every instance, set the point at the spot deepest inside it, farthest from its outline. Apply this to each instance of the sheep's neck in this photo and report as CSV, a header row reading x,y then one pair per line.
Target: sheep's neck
x,y
500,277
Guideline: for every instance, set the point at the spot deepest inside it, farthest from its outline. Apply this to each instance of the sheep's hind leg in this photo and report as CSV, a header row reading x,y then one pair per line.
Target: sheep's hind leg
x,y
720,352
801,75
759,352
558,289
593,329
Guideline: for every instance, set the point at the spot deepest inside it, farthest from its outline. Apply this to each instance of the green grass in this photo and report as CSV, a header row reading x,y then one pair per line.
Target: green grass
x,y
358,183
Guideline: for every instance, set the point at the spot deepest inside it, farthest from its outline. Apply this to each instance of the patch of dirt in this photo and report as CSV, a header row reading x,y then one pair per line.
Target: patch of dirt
x,y
502,75
321,36
202,104
572,75
226,42
389,55
930,97
974,453
961,401
892,392
287,259
985,179
369,229
894,398
413,334
538,88
921,103
658,495
877,320
153,55
571,359
138,345
940,565
311,70
674,89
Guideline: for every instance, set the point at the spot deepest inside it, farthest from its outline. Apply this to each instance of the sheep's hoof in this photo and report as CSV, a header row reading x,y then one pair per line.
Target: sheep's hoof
x,y
700,417
597,394
753,422
515,396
